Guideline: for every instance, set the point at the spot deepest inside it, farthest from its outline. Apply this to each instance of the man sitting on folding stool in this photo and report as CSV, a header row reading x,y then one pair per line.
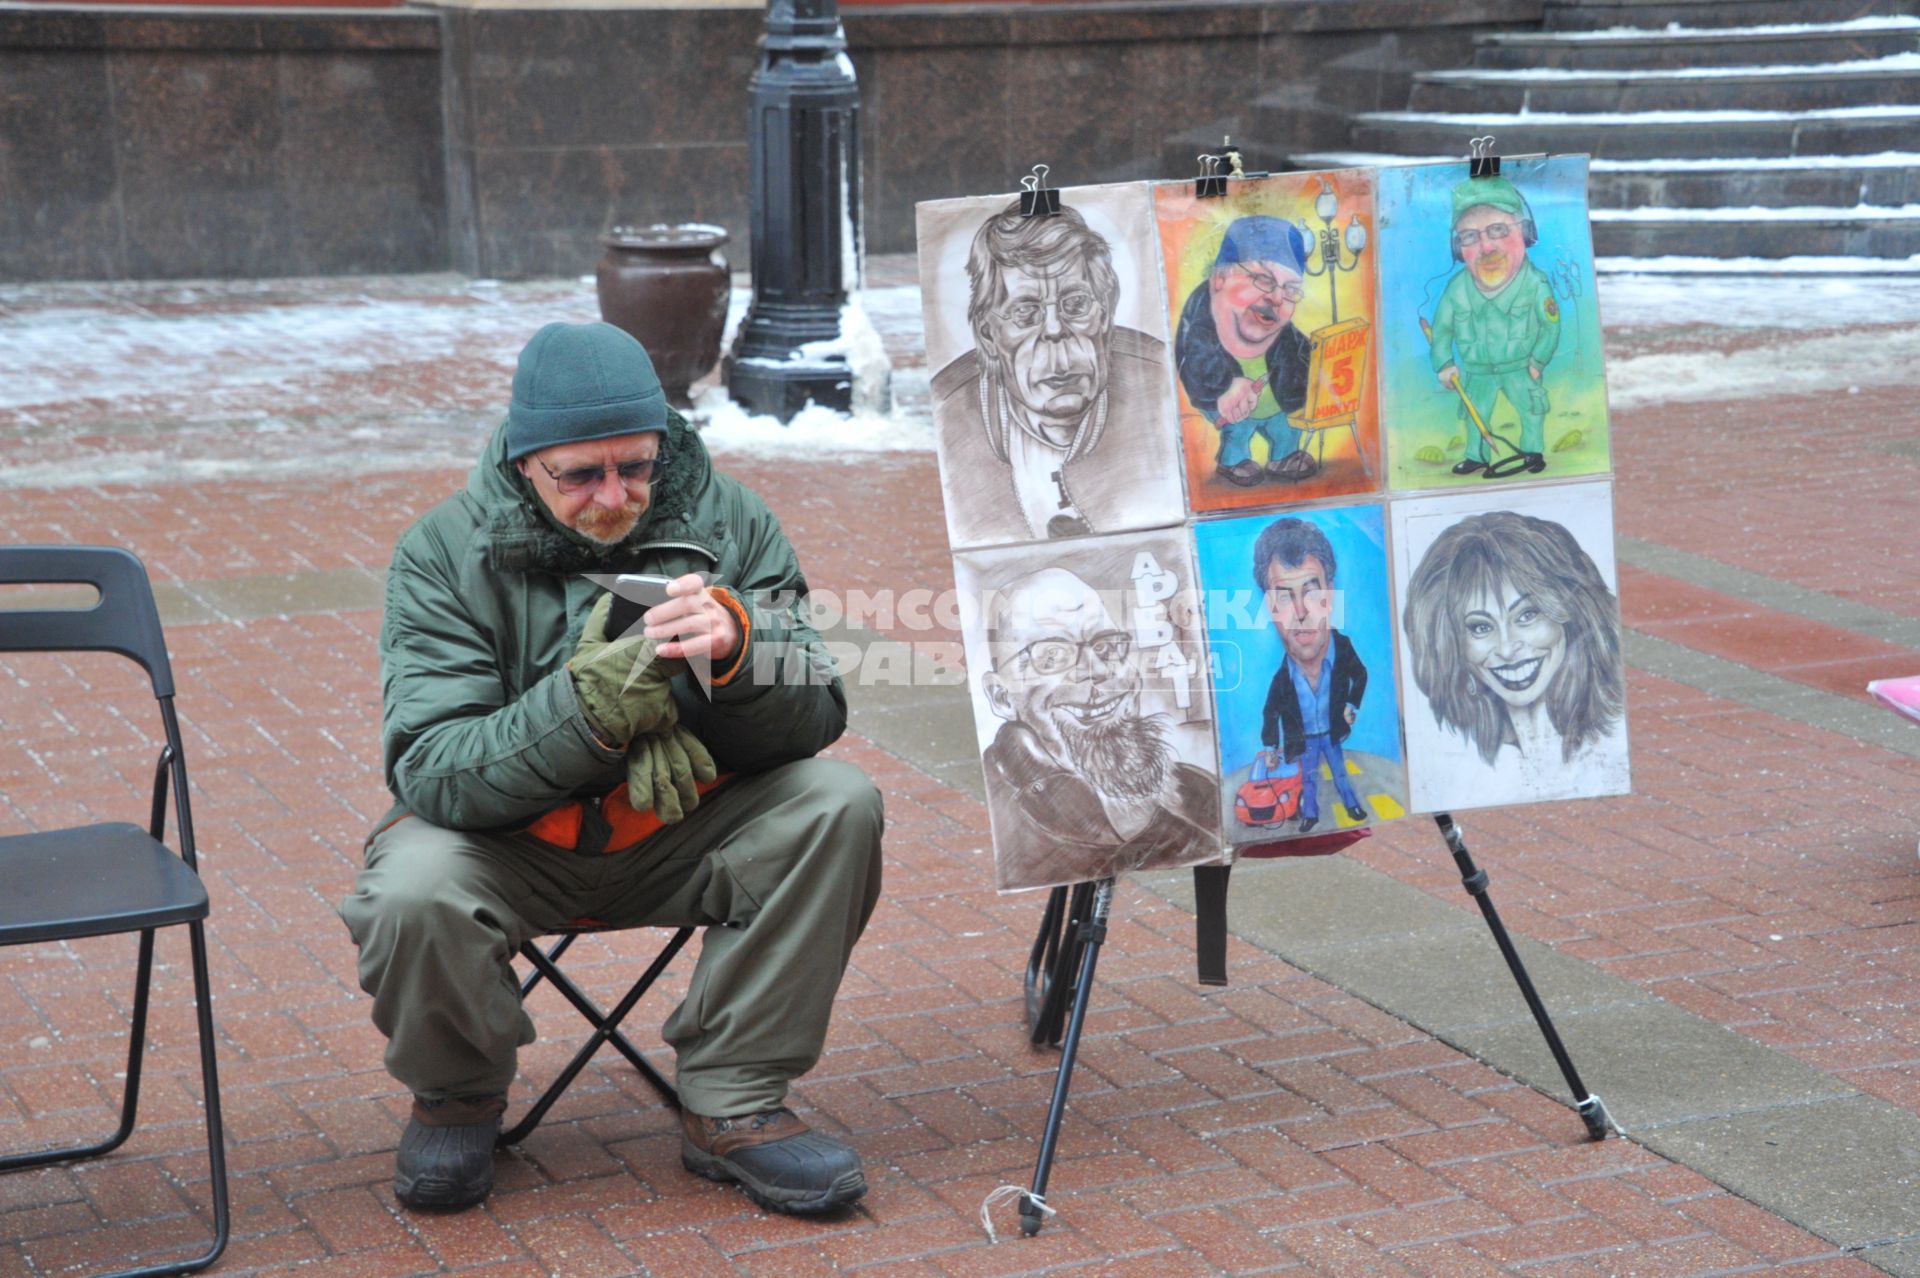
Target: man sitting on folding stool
x,y
548,774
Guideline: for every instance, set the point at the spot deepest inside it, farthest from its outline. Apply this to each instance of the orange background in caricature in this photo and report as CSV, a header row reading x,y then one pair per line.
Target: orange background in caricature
x,y
1190,234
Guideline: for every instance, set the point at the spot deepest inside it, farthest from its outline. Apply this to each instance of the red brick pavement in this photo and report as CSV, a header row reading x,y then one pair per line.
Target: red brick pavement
x,y
1277,1124
1761,876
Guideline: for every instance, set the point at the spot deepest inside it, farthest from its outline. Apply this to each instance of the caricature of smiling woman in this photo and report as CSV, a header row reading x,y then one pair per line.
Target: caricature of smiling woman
x,y
1515,639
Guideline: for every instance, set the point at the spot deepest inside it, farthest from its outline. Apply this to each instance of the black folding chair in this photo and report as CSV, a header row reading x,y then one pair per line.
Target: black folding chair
x,y
606,1025
106,879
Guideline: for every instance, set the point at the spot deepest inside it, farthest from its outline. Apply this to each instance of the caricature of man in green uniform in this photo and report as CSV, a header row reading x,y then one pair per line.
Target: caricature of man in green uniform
x,y
1497,323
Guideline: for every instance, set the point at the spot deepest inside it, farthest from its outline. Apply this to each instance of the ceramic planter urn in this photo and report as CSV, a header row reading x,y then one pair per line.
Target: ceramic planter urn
x,y
667,285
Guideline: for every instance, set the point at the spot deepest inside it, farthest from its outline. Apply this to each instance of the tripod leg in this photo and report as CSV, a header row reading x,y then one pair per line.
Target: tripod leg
x,y
1061,964
1093,931
1592,1110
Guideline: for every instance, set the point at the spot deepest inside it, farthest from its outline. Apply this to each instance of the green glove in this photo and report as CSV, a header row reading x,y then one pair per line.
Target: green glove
x,y
623,684
664,769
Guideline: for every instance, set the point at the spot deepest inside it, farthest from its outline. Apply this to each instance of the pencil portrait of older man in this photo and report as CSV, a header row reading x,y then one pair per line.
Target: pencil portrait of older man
x,y
1053,424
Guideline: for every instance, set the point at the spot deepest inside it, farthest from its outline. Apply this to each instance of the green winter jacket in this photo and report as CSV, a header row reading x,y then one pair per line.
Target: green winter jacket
x,y
485,601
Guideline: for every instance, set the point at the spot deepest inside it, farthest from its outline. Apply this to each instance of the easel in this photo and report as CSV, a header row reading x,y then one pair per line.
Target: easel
x,y
1059,982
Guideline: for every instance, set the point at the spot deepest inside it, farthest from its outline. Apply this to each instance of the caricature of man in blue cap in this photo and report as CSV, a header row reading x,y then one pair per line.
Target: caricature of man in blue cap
x,y
1242,362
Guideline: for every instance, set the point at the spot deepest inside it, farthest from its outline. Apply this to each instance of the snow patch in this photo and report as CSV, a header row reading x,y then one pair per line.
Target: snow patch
x,y
1761,266
1763,213
155,466
1615,119
815,433
1876,160
1528,75
174,363
1807,367
1891,22
1757,302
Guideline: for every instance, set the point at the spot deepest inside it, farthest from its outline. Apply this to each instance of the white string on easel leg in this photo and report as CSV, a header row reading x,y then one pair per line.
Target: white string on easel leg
x,y
1007,1193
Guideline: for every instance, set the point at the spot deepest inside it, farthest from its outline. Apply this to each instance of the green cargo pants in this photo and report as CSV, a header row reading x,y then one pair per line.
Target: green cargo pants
x,y
782,867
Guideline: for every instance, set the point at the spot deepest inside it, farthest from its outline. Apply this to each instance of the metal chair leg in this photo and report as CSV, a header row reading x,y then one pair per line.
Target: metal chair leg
x,y
210,1085
130,1094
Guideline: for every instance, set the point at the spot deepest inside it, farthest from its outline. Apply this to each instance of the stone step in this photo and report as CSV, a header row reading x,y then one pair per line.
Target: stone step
x,y
1886,81
1890,178
1673,50
1591,15
1886,179
1754,183
1798,266
1643,135
1865,233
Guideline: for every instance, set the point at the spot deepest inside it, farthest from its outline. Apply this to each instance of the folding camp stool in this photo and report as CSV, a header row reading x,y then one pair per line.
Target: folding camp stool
x,y
606,1025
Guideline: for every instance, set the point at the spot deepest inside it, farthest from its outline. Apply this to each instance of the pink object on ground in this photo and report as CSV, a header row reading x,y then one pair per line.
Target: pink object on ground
x,y
1898,694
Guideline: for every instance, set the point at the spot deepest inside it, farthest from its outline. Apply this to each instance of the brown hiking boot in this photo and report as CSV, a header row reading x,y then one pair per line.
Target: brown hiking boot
x,y
782,1164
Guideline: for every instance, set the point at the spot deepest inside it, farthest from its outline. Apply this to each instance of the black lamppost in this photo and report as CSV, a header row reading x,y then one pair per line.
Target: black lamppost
x,y
804,148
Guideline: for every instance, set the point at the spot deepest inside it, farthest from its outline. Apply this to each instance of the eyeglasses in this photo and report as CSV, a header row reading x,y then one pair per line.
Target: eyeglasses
x,y
1491,231
1267,285
1057,656
1073,306
580,479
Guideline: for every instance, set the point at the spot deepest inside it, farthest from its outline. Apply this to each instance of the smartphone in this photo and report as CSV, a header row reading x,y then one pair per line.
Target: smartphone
x,y
633,594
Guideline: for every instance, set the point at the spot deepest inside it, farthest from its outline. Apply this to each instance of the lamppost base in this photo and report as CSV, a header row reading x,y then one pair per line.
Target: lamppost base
x,y
781,388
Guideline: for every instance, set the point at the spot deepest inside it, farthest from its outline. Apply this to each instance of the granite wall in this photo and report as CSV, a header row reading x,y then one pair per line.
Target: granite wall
x,y
137,144
502,142
562,123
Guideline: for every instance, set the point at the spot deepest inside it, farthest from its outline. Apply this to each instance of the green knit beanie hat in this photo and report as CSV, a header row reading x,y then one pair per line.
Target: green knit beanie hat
x,y
577,382
1496,192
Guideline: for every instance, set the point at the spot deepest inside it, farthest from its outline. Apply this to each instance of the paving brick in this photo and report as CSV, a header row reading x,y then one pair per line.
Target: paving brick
x,y
1458,1144
1447,1259
574,1246
465,1240
1759,1231
1584,1236
1329,1249
351,1220
1225,1240
1518,1197
1387,1173
796,1260
129,1191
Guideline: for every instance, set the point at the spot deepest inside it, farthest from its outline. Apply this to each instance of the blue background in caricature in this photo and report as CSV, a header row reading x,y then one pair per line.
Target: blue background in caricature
x,y
1246,650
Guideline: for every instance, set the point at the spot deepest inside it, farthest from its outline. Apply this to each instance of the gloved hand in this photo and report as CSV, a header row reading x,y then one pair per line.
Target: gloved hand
x,y
622,683
662,769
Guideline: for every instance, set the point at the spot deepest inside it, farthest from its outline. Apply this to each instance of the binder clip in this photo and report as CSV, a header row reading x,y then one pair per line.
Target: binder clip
x,y
1482,160
1212,183
1037,199
1215,168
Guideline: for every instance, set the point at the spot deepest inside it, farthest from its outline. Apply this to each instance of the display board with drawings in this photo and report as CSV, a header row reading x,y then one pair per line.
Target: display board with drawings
x,y
1404,600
